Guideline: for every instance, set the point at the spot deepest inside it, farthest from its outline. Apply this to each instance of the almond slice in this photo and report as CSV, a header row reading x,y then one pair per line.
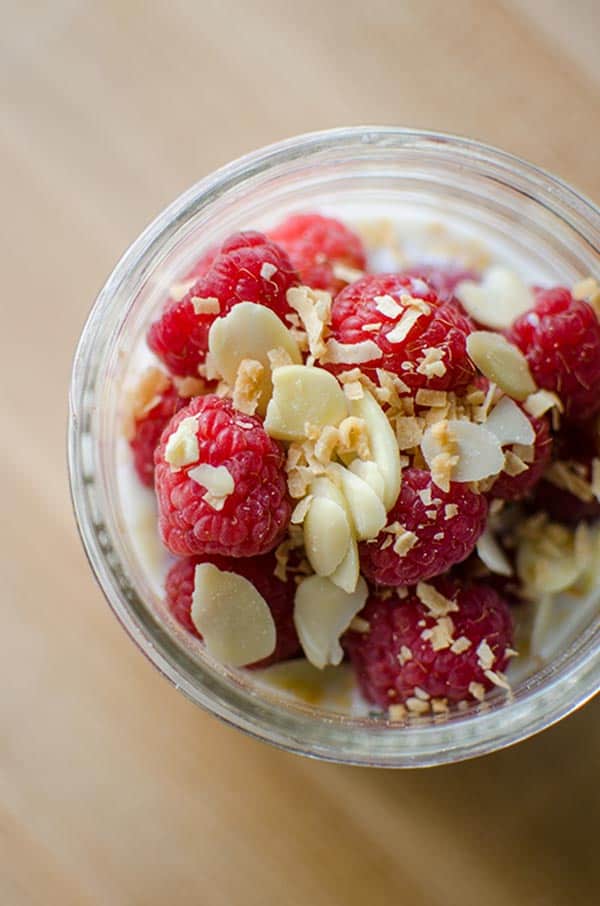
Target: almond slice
x,y
382,442
322,613
231,616
510,424
502,362
491,554
217,480
497,300
182,446
366,509
369,472
303,396
249,331
326,534
477,451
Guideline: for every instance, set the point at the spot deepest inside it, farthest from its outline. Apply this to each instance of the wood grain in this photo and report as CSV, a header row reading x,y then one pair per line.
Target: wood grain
x,y
113,788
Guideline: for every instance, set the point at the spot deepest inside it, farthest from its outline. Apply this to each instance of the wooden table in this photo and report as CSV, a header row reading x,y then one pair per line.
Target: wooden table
x,y
113,788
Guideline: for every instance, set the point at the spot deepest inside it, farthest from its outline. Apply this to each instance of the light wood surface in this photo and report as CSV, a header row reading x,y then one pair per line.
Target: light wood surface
x,y
113,788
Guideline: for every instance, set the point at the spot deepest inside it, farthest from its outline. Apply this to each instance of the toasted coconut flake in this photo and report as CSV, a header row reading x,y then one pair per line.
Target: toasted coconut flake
x,y
439,705
351,353
209,305
409,431
301,509
400,331
432,364
416,706
513,465
248,387
354,437
461,644
314,310
188,387
279,357
485,655
404,655
542,401
267,270
433,398
359,625
434,601
345,273
440,636
477,690
498,679
397,713
450,510
388,306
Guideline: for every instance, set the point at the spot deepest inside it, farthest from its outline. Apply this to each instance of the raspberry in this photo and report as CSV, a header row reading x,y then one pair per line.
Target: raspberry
x,y
180,336
560,337
148,429
256,513
279,596
513,487
442,540
442,278
315,245
393,659
443,328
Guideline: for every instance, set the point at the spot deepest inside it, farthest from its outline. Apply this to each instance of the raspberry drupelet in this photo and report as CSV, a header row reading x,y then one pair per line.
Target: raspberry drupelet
x,y
358,314
408,653
252,517
259,571
428,531
248,268
315,245
560,337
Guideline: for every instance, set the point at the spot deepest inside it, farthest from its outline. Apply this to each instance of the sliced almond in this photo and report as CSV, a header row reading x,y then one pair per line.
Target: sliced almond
x,y
502,362
217,480
492,555
231,616
369,472
249,331
347,573
510,424
366,509
303,396
497,300
322,613
182,446
326,535
382,442
478,452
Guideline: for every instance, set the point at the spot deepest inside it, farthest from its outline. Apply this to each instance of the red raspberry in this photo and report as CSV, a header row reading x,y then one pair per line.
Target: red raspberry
x,y
315,245
149,426
442,278
388,673
279,596
513,487
254,516
180,336
561,338
444,327
442,540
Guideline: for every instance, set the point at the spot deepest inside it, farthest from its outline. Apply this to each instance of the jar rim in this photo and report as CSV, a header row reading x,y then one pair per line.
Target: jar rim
x,y
348,740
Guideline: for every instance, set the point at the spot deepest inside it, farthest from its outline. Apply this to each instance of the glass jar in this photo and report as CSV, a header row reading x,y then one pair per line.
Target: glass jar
x,y
351,172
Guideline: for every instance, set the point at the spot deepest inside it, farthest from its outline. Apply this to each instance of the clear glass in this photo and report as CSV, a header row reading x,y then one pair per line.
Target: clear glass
x,y
349,171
